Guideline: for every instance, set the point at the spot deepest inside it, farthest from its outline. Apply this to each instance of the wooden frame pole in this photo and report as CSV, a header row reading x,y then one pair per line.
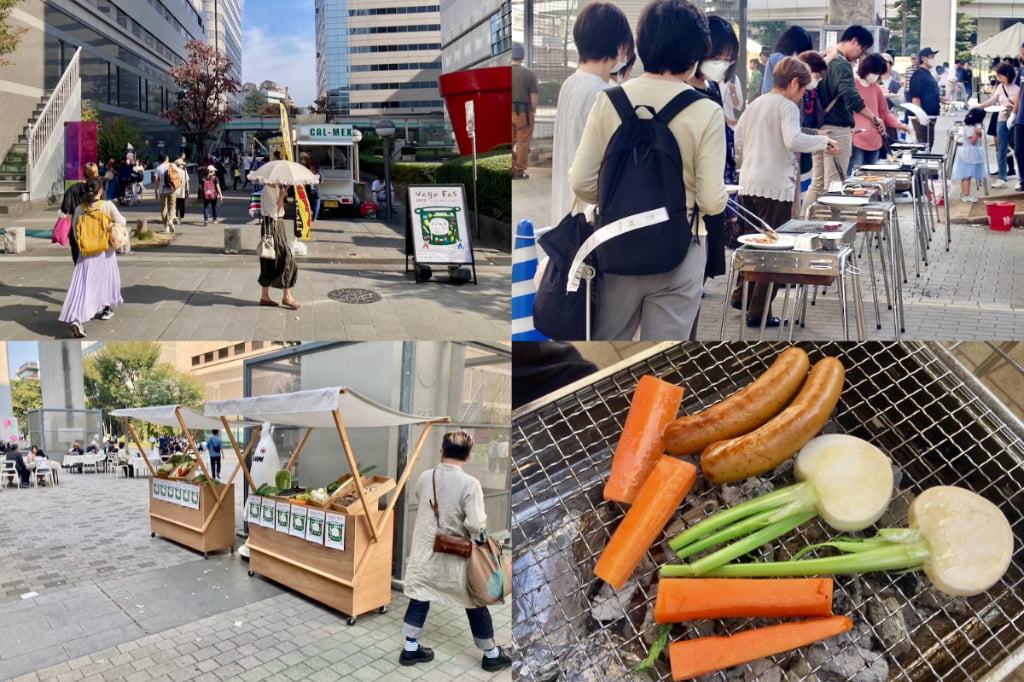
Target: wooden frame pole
x,y
295,455
355,473
138,444
248,449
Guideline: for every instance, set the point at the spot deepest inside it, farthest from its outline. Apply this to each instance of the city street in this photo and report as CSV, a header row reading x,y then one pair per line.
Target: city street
x,y
352,285
89,595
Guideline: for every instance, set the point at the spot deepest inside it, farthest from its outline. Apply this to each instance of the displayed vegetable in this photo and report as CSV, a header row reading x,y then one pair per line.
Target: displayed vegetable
x,y
961,541
743,411
319,496
682,599
773,443
655,403
283,479
694,657
266,490
659,496
339,484
844,479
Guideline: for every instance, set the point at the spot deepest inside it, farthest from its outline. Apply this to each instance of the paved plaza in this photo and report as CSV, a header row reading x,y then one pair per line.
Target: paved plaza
x,y
185,287
973,291
87,594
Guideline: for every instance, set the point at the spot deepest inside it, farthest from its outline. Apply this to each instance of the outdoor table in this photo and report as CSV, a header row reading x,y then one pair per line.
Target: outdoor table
x,y
928,163
802,268
910,177
874,218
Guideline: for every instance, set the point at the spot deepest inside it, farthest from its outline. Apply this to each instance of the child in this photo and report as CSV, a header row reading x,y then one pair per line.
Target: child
x,y
970,162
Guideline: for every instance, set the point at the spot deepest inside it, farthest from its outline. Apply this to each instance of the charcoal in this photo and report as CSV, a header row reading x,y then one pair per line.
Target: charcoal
x,y
898,511
838,662
610,604
955,607
886,613
800,671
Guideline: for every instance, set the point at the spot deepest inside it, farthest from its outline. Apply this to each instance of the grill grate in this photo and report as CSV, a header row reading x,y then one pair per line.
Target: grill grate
x,y
909,400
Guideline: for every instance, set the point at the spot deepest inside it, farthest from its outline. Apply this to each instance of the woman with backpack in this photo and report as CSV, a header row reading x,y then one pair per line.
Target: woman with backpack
x,y
96,283
209,189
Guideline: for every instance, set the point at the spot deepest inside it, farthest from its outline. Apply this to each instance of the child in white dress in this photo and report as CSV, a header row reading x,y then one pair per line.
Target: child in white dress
x,y
970,161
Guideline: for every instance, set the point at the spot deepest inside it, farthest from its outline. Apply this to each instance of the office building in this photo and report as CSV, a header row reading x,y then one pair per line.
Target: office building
x,y
223,20
379,57
27,370
475,34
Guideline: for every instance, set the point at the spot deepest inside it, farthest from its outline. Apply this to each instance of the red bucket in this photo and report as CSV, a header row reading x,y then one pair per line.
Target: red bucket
x,y
1000,215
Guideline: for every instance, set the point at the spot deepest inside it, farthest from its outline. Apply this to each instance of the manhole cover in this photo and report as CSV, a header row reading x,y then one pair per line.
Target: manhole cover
x,y
354,295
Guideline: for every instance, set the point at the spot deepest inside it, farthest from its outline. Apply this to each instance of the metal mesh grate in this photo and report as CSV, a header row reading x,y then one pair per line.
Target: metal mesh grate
x,y
907,399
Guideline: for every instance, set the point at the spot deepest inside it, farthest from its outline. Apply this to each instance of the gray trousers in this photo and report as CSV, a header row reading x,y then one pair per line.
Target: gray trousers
x,y
663,307
824,171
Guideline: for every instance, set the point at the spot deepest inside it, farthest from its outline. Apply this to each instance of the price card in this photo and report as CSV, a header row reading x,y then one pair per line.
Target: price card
x,y
298,521
269,513
335,536
283,516
177,493
191,496
255,509
316,519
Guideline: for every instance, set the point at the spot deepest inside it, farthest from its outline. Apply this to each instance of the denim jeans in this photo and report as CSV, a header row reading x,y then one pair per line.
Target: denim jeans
x,y
1018,150
208,206
479,623
860,157
1002,147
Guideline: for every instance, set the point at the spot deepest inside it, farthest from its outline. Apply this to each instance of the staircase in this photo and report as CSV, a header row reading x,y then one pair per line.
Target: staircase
x,y
14,169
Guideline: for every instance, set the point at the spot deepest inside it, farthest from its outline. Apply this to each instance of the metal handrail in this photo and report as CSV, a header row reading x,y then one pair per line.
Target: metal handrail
x,y
51,116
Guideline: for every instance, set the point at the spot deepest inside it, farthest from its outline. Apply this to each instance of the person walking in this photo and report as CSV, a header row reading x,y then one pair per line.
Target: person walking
x,y
181,194
96,283
455,506
840,99
923,92
756,79
971,163
281,272
246,167
524,109
215,447
164,189
73,197
1004,95
210,191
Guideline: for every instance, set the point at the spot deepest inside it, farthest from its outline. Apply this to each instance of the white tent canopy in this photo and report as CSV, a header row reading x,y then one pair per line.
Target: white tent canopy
x,y
314,408
1006,43
167,415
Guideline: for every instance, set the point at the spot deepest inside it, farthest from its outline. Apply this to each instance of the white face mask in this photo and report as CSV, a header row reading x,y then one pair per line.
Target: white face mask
x,y
714,69
872,78
618,66
814,83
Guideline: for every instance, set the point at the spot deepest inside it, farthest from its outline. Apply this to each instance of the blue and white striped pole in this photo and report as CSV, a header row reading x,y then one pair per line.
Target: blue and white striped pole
x,y
524,267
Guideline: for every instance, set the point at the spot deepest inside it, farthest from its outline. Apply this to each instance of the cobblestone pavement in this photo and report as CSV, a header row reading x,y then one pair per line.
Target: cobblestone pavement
x,y
188,288
973,291
87,594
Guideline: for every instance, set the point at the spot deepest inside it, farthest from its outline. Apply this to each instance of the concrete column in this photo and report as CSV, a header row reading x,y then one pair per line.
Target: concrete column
x,y
850,12
60,374
939,31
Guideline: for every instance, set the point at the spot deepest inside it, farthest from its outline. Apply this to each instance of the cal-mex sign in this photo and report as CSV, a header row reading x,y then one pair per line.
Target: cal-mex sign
x,y
327,133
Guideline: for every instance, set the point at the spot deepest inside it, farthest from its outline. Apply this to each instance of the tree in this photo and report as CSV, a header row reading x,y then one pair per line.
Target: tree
x,y
273,109
766,33
324,105
253,102
26,394
905,27
89,111
10,37
205,84
113,136
966,32
129,374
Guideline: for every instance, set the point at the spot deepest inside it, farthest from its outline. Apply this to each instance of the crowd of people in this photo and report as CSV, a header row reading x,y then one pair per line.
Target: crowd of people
x,y
803,111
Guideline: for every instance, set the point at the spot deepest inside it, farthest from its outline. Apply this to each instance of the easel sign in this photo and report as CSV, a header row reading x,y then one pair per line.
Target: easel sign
x,y
438,228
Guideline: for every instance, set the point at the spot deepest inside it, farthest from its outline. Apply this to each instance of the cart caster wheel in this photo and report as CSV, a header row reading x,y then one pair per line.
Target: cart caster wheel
x,y
382,609
232,549
152,535
251,574
206,555
351,620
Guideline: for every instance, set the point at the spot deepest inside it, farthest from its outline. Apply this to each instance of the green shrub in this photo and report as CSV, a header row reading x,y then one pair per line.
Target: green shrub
x,y
494,191
402,172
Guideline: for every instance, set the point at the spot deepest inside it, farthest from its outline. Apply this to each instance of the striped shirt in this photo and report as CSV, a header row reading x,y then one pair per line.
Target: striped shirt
x,y
575,100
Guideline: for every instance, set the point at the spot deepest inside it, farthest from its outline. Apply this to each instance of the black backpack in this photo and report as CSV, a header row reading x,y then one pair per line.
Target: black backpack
x,y
642,171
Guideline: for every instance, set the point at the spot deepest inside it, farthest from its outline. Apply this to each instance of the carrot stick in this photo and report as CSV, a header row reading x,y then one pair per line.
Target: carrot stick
x,y
694,657
658,499
655,404
681,599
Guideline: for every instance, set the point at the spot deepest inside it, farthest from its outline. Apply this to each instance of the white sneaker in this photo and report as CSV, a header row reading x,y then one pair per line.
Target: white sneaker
x,y
970,198
999,184
77,330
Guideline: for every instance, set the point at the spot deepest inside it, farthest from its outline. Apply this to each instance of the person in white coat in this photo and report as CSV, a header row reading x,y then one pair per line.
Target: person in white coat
x,y
433,576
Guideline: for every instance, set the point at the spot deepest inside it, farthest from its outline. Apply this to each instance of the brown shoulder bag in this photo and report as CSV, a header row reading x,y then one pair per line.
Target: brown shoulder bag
x,y
448,544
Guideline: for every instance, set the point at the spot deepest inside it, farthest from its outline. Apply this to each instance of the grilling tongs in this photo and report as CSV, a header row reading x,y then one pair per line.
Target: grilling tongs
x,y
754,220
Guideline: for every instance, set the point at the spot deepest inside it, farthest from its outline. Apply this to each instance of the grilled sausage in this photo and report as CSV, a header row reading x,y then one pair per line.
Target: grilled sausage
x,y
743,411
769,446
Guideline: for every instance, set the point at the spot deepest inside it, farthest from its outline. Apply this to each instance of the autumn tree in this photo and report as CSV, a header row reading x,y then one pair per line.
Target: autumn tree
x,y
323,105
26,394
204,84
254,101
129,374
113,136
10,37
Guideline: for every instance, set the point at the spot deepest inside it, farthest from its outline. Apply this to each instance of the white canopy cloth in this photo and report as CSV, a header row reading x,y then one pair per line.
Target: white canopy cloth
x,y
166,415
1006,43
313,408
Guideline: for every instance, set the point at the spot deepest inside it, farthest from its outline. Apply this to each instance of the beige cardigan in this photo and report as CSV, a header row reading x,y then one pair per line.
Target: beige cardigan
x,y
700,132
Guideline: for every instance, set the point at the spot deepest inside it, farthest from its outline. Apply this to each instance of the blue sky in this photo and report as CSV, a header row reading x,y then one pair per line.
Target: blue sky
x,y
20,352
279,44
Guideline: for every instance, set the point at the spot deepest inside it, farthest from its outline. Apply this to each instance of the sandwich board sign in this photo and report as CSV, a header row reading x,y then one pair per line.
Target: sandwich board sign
x,y
438,227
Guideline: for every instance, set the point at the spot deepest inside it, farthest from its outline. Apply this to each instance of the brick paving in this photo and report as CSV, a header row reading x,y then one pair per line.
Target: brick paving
x,y
112,603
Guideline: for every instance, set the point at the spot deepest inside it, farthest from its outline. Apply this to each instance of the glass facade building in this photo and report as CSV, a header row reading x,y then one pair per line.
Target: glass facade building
x,y
224,31
379,58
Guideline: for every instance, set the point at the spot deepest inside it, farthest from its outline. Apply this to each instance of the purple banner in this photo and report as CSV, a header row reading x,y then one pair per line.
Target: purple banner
x,y
80,148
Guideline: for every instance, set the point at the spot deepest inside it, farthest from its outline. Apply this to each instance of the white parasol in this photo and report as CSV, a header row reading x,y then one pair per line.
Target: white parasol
x,y
283,172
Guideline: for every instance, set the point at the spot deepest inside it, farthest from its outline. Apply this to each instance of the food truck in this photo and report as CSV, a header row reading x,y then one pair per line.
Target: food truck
x,y
334,148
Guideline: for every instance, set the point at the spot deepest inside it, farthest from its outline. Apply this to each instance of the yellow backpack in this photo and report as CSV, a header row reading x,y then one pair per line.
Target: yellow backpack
x,y
92,231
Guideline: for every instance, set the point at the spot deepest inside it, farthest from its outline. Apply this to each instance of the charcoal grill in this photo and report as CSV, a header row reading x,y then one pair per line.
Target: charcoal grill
x,y
915,401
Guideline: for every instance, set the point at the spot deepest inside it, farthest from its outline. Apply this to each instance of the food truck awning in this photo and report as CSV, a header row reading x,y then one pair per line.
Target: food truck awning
x,y
315,408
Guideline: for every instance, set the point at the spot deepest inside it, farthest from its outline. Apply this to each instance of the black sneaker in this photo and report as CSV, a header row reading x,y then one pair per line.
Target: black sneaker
x,y
421,655
499,662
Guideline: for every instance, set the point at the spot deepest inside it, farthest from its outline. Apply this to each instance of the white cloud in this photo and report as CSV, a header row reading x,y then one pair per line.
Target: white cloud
x,y
287,59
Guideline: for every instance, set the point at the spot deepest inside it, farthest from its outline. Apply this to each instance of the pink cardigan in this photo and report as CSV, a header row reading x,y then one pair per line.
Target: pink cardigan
x,y
874,99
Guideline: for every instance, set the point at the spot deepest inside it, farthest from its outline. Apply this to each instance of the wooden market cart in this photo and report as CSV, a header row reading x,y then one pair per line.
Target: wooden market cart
x,y
357,579
210,526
